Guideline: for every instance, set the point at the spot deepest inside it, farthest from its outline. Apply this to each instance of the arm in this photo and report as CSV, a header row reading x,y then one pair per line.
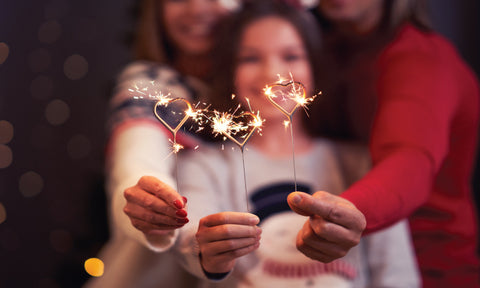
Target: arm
x,y
145,202
409,139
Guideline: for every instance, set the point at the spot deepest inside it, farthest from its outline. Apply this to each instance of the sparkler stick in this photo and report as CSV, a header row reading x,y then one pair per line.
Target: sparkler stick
x,y
288,96
238,129
181,115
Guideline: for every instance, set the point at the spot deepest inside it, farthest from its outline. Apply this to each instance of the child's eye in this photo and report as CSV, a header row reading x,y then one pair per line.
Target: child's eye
x,y
292,57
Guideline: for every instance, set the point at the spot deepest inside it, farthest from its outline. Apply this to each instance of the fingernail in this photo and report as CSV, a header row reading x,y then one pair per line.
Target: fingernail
x,y
182,221
184,200
254,219
296,199
181,213
178,204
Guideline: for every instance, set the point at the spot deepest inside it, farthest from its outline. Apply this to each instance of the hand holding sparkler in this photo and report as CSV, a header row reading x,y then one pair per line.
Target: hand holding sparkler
x,y
326,236
154,208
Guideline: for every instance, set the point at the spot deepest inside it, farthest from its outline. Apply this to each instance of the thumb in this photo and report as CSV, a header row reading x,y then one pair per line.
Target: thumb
x,y
307,205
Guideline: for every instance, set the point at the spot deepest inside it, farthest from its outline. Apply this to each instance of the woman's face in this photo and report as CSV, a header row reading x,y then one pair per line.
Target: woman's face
x,y
361,15
269,47
189,23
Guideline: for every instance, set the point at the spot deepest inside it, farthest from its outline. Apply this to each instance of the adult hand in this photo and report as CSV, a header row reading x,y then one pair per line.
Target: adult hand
x,y
335,225
155,207
225,236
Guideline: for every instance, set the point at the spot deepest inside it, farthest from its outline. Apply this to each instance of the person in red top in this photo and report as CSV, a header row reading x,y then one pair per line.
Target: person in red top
x,y
397,86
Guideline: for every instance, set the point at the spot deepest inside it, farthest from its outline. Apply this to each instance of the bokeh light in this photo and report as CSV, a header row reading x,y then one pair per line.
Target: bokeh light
x,y
39,60
6,156
41,87
78,146
30,184
49,32
94,267
3,213
75,67
6,132
4,51
57,112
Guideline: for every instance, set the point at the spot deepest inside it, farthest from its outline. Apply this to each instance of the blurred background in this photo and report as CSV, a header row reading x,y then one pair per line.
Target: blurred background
x,y
58,60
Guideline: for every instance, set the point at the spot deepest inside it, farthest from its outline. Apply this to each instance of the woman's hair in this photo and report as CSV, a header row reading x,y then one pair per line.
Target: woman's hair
x,y
230,34
150,41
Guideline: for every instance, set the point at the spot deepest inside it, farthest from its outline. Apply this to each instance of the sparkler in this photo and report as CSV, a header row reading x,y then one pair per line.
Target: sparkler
x,y
239,129
288,96
173,113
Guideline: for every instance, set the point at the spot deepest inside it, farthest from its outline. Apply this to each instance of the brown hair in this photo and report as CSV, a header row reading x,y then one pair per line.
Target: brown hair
x,y
151,42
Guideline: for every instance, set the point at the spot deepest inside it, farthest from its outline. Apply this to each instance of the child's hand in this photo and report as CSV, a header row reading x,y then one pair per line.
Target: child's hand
x,y
225,236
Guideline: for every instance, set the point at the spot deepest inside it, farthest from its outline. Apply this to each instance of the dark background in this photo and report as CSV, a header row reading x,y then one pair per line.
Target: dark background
x,y
58,59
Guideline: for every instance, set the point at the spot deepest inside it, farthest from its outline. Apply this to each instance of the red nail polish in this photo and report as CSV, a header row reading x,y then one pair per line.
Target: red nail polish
x,y
178,204
181,213
184,200
183,221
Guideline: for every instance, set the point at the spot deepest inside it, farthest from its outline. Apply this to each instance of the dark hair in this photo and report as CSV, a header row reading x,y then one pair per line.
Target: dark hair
x,y
230,33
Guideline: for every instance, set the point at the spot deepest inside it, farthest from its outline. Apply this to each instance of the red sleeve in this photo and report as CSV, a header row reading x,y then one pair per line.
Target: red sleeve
x,y
409,139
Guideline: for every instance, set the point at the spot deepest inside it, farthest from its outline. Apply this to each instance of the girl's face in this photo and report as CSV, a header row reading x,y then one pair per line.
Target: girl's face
x,y
270,47
189,23
361,15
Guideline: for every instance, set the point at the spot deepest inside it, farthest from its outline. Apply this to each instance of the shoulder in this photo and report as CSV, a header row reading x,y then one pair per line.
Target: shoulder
x,y
427,50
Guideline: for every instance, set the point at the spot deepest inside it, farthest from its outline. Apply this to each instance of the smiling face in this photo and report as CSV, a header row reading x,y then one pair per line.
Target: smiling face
x,y
189,23
269,47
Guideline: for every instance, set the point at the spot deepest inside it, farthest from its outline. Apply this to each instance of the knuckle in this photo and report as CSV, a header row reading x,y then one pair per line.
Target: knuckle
x,y
149,202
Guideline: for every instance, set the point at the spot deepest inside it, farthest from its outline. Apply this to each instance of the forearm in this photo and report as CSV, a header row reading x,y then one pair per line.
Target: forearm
x,y
395,187
135,151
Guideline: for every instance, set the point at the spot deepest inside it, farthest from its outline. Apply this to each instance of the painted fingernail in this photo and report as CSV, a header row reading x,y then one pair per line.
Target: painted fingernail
x,y
183,220
181,213
178,204
184,200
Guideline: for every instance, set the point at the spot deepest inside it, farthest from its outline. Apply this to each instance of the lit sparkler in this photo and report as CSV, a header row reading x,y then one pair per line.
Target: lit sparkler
x,y
288,96
173,113
239,129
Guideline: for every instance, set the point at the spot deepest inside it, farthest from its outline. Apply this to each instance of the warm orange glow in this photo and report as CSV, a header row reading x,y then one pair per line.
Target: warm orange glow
x,y
94,267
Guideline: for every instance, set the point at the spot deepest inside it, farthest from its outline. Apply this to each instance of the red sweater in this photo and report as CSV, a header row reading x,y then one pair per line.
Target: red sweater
x,y
423,144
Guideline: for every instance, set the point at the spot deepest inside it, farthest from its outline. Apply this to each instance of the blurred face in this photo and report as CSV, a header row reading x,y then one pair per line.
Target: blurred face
x,y
270,47
189,23
362,15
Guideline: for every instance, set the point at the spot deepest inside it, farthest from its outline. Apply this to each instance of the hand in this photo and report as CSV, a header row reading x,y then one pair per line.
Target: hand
x,y
335,225
154,207
225,236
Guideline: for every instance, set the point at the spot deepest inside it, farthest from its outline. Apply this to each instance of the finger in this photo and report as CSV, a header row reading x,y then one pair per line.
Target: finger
x,y
318,248
138,196
333,232
328,206
305,204
222,218
227,231
225,246
146,215
162,190
146,227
